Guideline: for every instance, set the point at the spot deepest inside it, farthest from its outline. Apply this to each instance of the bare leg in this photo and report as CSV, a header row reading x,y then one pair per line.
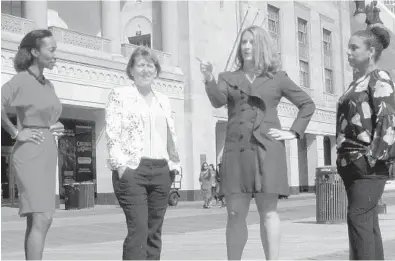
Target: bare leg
x,y
36,232
236,227
270,224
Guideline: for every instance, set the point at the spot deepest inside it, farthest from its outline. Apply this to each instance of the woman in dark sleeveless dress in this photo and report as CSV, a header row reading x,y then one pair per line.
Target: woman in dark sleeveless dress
x,y
35,152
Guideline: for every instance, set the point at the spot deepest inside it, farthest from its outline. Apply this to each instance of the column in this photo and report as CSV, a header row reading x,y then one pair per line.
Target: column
x,y
320,150
36,11
333,150
170,37
57,198
156,25
293,165
111,23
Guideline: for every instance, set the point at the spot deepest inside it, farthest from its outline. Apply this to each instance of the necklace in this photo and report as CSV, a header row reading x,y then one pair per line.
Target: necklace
x,y
250,79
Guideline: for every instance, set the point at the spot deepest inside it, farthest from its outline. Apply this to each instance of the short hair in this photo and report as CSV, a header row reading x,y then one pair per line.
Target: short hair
x,y
148,54
32,40
375,36
266,57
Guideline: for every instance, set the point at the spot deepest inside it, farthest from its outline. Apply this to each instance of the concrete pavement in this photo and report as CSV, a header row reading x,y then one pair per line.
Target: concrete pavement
x,y
192,233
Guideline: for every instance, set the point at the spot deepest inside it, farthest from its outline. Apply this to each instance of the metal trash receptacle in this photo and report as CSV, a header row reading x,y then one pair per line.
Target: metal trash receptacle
x,y
79,195
331,196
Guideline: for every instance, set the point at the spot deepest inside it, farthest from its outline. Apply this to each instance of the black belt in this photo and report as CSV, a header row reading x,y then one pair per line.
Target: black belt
x,y
35,127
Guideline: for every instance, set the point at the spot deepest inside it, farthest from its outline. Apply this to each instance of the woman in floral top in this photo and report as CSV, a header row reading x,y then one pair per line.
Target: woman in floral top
x,y
365,137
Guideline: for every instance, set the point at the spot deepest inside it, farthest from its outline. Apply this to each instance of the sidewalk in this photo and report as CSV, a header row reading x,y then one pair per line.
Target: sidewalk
x,y
301,239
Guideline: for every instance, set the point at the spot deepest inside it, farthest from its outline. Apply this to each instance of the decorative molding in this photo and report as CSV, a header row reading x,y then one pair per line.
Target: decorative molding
x,y
302,6
81,39
93,75
330,100
320,115
16,25
326,19
164,58
288,110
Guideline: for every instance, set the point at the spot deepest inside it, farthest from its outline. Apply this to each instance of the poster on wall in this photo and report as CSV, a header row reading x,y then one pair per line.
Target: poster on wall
x,y
84,155
67,158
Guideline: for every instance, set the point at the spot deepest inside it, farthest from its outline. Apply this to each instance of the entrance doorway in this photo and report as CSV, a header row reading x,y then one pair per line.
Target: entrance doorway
x,y
9,191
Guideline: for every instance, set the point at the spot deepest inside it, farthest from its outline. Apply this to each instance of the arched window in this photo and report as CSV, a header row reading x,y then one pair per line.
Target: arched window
x,y
327,151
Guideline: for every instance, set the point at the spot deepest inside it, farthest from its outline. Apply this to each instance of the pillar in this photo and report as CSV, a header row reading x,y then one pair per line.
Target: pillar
x,y
170,30
333,150
320,150
111,23
292,165
156,25
36,11
57,198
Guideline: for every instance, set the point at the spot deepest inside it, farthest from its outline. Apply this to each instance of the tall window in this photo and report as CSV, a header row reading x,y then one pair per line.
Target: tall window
x,y
302,31
328,69
304,74
12,8
274,25
304,70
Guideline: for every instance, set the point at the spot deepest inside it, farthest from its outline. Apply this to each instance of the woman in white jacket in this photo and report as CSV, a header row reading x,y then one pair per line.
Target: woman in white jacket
x,y
141,142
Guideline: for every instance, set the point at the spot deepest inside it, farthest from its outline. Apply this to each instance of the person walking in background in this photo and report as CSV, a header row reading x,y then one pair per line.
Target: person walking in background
x,y
221,197
213,184
205,184
35,151
254,159
365,131
141,141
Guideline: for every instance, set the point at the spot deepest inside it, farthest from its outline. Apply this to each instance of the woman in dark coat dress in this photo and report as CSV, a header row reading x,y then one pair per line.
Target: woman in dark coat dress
x,y
254,159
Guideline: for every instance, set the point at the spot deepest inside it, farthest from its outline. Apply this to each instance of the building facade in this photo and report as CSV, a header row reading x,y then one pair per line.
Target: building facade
x,y
96,38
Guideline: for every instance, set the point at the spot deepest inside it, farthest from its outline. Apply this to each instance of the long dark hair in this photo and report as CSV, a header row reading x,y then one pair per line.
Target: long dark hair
x,y
32,40
202,167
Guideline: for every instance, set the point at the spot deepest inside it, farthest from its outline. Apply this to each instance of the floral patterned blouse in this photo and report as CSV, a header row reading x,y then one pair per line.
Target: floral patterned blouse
x,y
366,120
125,130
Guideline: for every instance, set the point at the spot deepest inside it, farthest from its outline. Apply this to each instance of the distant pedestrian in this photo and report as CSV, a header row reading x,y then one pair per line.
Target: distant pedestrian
x,y
365,126
205,183
213,183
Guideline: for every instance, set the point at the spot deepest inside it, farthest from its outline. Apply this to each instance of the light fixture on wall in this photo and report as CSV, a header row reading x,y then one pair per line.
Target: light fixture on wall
x,y
138,32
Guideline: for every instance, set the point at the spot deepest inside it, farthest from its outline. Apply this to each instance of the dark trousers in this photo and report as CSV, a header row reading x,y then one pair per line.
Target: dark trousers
x,y
143,195
364,187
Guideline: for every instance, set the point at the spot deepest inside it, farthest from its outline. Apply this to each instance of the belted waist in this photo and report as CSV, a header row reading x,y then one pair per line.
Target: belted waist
x,y
35,127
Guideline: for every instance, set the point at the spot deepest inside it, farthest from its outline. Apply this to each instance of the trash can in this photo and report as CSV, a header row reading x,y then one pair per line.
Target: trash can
x,y
79,195
331,197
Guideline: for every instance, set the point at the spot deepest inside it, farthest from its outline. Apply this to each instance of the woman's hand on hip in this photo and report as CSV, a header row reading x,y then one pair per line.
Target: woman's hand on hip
x,y
281,134
30,135
206,68
121,170
57,129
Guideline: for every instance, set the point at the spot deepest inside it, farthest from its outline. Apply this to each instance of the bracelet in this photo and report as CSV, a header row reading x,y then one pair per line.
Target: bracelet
x,y
16,135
